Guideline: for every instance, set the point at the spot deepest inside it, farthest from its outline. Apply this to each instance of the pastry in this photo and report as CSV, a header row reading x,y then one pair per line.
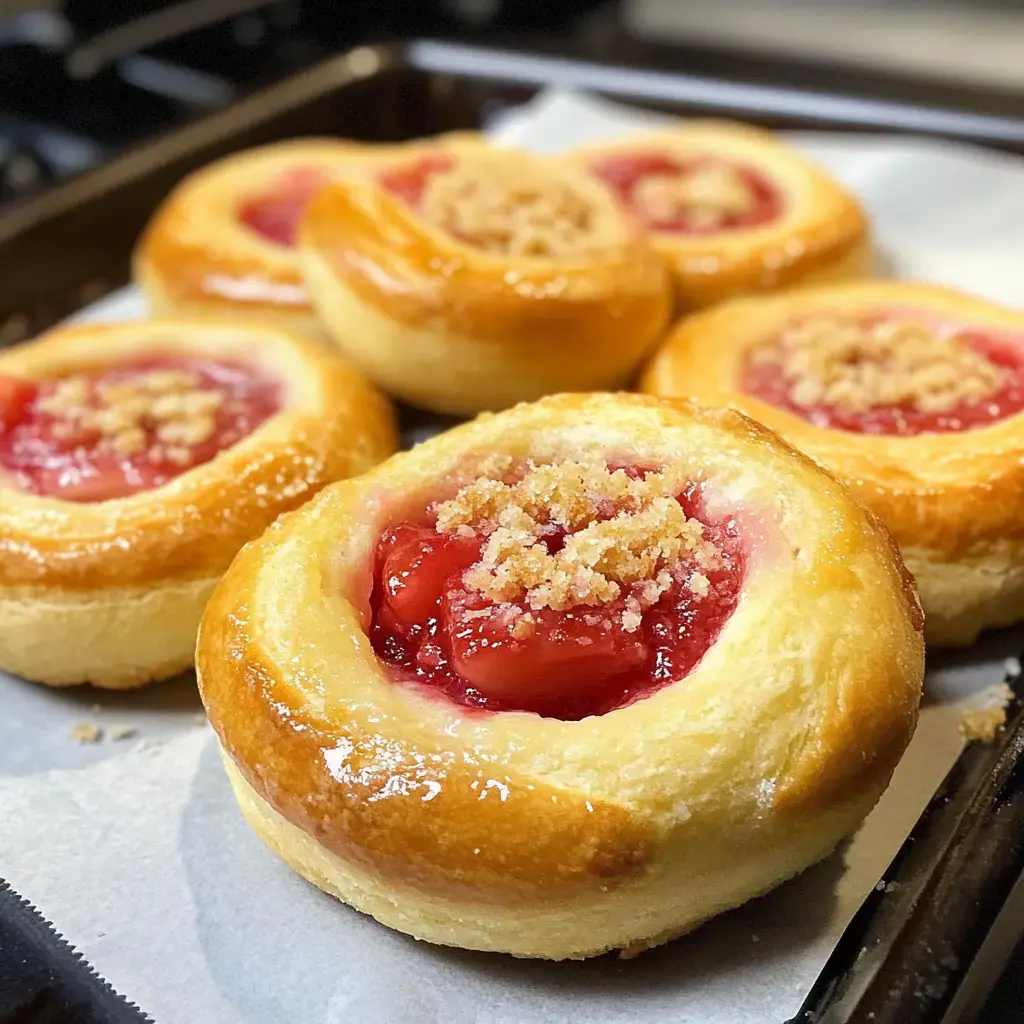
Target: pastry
x,y
913,396
222,244
135,460
585,673
733,210
475,278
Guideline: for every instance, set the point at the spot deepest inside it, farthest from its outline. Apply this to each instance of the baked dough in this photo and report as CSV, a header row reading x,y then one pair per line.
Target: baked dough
x,y
198,258
544,837
952,499
110,592
803,227
506,277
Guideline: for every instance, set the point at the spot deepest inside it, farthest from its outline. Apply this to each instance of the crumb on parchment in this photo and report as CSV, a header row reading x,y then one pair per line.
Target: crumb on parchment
x,y
86,732
988,715
982,723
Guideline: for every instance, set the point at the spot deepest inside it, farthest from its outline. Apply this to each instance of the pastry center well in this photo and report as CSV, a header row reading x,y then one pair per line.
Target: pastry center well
x,y
510,206
886,374
567,589
96,435
698,196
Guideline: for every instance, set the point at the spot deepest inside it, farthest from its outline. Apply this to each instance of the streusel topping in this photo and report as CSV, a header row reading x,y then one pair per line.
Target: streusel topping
x,y
706,197
511,208
169,402
853,367
624,536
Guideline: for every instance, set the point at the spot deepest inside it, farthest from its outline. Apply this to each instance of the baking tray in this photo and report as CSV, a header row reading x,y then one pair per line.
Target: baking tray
x,y
916,952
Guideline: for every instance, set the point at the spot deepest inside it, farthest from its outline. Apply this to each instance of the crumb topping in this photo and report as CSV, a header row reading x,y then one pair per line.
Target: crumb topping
x,y
851,366
511,208
625,537
705,197
122,413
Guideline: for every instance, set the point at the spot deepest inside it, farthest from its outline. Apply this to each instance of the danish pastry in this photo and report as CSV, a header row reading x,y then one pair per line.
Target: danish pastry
x,y
586,673
910,394
475,278
223,243
135,460
733,210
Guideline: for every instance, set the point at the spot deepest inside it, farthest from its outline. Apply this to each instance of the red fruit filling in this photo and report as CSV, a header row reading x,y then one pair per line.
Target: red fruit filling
x,y
97,435
699,195
409,181
275,214
898,373
487,615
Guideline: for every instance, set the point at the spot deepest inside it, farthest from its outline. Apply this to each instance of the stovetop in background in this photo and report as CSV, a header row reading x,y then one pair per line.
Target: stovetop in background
x,y
83,79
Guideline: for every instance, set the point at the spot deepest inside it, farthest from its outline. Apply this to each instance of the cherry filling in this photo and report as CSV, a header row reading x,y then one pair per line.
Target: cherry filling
x,y
508,206
448,618
699,195
275,214
409,181
105,434
890,374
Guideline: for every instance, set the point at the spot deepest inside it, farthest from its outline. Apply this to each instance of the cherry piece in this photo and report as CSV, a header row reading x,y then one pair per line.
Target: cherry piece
x,y
563,654
419,559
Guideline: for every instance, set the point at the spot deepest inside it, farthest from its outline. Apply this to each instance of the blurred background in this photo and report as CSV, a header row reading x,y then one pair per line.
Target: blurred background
x,y
81,79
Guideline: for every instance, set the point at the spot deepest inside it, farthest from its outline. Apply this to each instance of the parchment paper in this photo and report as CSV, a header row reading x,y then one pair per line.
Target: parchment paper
x,y
135,849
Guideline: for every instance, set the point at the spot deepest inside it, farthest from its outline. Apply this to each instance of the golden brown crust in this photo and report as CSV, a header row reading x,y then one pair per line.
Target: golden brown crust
x,y
280,748
454,328
196,258
471,815
821,236
334,424
948,498
125,567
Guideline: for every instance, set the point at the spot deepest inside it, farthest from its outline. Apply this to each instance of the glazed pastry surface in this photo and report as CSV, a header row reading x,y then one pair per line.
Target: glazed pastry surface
x,y
733,210
471,279
132,478
912,395
544,834
222,244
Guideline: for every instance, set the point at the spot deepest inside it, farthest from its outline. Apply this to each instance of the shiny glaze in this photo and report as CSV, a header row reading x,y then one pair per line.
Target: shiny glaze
x,y
333,423
489,809
445,326
377,799
196,255
399,264
949,493
819,235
